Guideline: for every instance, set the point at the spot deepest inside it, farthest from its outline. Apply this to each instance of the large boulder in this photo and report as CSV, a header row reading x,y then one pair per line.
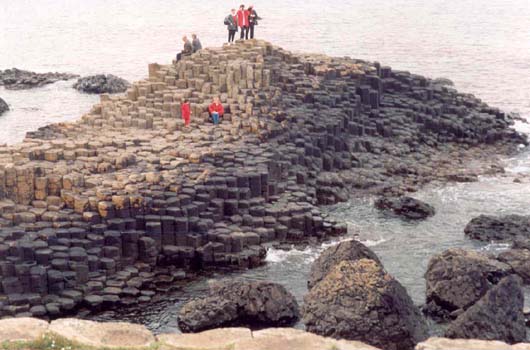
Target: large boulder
x,y
240,303
3,106
491,228
101,84
358,300
406,207
498,315
458,278
18,79
351,250
14,330
519,260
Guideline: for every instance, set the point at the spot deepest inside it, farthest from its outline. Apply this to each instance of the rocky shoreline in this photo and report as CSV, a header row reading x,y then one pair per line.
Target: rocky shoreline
x,y
110,210
18,79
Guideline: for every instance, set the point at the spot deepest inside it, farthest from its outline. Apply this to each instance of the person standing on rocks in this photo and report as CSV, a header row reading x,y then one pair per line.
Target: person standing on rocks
x,y
242,21
231,25
216,110
252,20
186,112
188,48
195,43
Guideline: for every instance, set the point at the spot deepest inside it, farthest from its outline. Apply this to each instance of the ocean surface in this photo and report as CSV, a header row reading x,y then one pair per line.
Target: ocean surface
x,y
483,46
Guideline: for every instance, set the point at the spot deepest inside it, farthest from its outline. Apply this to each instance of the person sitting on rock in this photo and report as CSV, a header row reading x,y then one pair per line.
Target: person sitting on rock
x,y
195,43
188,48
186,112
231,25
216,110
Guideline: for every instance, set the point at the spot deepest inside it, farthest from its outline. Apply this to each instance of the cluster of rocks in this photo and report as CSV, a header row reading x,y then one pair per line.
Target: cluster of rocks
x,y
3,106
92,210
406,207
17,79
102,84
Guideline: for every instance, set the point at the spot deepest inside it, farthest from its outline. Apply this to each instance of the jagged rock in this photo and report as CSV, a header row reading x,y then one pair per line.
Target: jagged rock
x,y
3,106
519,260
17,79
350,250
407,207
237,303
21,329
498,315
358,300
102,335
491,228
467,344
101,84
457,278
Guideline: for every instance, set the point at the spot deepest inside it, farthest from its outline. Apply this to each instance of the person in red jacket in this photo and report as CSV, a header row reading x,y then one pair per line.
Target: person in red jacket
x,y
242,21
216,110
186,112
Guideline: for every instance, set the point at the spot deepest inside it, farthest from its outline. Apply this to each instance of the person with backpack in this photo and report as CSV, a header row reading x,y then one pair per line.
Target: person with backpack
x,y
231,25
252,20
242,21
185,109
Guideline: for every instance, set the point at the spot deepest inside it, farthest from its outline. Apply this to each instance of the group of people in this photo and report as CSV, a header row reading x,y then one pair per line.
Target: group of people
x,y
190,47
244,19
215,110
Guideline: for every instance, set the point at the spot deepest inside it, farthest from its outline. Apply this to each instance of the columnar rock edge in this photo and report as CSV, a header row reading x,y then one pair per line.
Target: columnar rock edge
x,y
98,212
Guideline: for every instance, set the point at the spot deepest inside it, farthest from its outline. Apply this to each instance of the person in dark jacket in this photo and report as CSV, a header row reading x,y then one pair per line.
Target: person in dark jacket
x,y
188,48
231,25
242,21
252,20
195,43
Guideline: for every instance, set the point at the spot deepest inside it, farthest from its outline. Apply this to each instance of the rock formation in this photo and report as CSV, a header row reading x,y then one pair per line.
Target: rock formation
x,y
3,106
240,303
110,209
406,207
358,300
498,315
490,228
456,279
467,344
519,261
17,79
101,84
350,250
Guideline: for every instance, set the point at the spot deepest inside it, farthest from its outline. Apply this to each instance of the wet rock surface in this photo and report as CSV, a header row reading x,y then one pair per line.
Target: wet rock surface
x,y
498,315
102,84
456,279
351,250
491,228
18,79
240,303
407,207
120,205
358,300
3,106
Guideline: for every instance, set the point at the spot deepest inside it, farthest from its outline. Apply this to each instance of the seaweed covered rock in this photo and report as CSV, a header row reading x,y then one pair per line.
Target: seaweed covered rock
x,y
492,228
406,207
237,303
458,278
18,79
3,106
498,315
101,84
358,300
351,250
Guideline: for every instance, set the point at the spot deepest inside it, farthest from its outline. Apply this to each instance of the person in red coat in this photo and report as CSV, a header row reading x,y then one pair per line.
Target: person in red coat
x,y
242,21
216,110
186,112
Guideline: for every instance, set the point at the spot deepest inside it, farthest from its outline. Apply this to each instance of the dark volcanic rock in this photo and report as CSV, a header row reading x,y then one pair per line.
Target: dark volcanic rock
x,y
17,79
358,300
407,207
236,303
3,106
519,260
498,315
457,278
490,228
351,250
101,84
